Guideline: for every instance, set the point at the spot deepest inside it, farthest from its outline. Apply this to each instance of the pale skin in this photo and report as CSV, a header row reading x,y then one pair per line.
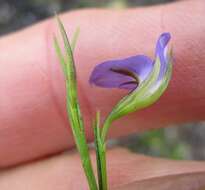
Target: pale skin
x,y
33,122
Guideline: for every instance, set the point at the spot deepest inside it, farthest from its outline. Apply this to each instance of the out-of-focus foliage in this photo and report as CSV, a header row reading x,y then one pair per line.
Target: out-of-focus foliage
x,y
186,142
15,14
158,143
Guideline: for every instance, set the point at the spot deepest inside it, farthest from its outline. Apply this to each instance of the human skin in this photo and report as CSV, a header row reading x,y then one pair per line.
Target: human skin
x,y
33,121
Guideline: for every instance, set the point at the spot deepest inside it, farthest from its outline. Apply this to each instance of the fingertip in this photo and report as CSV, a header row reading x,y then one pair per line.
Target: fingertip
x,y
33,111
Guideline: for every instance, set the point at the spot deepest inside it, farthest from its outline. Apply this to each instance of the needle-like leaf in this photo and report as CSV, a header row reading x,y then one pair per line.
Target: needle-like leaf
x,y
73,108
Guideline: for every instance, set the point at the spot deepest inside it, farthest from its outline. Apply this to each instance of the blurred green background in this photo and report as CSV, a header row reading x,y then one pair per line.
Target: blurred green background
x,y
185,142
15,14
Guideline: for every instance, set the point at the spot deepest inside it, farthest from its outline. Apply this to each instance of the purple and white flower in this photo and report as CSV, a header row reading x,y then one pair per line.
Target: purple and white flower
x,y
128,73
147,79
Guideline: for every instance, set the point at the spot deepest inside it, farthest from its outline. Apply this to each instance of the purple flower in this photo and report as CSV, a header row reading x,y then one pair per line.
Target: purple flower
x,y
147,79
130,72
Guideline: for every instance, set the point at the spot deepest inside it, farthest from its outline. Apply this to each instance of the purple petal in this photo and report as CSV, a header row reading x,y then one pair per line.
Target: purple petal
x,y
116,73
161,52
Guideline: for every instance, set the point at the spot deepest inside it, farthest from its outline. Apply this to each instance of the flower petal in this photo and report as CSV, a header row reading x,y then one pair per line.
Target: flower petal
x,y
124,73
162,53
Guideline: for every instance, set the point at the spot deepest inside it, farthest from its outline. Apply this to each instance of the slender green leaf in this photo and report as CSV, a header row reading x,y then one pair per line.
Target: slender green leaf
x,y
73,108
74,39
59,54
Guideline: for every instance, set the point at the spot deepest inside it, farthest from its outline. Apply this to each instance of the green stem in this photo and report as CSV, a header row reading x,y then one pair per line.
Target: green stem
x,y
105,128
102,153
99,170
76,122
100,148
86,163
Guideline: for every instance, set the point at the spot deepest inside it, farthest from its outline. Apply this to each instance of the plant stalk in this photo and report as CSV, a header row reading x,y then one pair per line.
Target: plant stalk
x,y
100,148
